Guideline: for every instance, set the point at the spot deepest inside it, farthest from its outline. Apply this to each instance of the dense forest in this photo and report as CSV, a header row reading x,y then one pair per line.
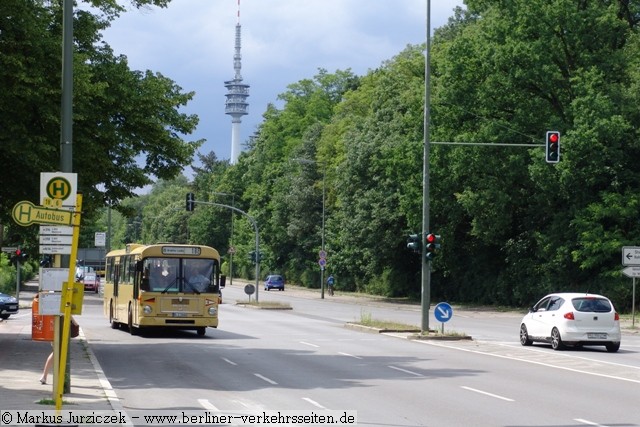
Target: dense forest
x,y
513,226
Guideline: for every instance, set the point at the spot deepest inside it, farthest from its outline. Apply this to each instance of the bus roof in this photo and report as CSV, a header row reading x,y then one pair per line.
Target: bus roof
x,y
167,250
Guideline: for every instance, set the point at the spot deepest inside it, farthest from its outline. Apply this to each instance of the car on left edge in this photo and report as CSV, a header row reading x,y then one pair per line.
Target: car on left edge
x,y
8,306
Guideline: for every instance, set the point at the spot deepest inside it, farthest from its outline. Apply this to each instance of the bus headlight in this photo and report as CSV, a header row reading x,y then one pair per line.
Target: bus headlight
x,y
212,311
147,309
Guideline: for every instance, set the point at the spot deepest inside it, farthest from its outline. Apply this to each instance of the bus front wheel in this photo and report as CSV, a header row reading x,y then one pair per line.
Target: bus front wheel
x,y
132,330
114,324
201,331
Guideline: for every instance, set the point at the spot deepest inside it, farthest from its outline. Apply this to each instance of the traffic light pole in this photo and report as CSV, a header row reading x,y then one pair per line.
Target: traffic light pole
x,y
255,227
18,276
426,265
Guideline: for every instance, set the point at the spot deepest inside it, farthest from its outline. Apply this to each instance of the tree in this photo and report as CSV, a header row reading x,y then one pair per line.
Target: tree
x,y
127,128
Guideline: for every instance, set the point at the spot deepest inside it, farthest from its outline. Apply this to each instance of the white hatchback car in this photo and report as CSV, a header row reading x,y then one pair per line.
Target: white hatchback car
x,y
573,319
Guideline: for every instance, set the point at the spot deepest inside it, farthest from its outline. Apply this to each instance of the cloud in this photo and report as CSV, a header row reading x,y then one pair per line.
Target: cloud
x,y
283,41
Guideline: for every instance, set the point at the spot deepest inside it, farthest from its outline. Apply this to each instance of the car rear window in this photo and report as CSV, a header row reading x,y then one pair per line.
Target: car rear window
x,y
592,305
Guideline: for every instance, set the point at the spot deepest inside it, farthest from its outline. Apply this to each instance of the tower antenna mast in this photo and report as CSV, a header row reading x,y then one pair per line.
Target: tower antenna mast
x,y
236,104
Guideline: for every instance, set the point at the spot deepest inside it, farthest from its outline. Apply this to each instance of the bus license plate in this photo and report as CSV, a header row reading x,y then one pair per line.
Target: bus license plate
x,y
178,314
594,336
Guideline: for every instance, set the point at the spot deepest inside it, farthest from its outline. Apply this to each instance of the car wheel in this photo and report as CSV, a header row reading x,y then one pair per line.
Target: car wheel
x,y
612,347
556,340
268,288
524,336
282,288
4,316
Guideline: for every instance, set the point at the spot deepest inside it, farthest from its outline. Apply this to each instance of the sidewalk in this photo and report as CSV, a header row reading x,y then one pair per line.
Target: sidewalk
x,y
22,361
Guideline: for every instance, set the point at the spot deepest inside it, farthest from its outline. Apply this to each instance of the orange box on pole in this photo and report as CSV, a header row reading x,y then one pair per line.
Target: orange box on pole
x,y
42,325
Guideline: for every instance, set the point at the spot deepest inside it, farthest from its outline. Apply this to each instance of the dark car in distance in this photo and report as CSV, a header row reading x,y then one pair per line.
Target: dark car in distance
x,y
8,306
274,281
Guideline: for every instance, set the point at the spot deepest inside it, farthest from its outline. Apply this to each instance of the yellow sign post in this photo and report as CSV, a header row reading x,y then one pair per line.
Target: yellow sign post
x,y
67,303
26,213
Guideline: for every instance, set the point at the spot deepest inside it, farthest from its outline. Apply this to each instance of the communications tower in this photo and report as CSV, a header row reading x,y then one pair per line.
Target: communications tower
x,y
236,104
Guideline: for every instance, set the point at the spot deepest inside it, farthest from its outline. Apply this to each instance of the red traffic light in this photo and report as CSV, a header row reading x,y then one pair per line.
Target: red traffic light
x,y
18,252
431,238
552,144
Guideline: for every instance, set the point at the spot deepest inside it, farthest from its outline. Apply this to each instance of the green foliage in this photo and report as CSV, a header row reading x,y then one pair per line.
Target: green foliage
x,y
513,227
126,122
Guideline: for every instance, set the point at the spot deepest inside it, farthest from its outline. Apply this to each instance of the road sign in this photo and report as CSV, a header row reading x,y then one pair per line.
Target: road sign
x,y
631,271
322,262
60,230
322,254
55,240
9,249
443,312
60,186
631,255
26,213
55,249
100,239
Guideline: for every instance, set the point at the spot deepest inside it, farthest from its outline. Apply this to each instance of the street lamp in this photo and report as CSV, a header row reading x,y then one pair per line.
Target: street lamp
x,y
231,248
323,253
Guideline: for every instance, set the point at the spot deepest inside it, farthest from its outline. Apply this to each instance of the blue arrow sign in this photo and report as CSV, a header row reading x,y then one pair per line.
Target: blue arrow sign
x,y
443,312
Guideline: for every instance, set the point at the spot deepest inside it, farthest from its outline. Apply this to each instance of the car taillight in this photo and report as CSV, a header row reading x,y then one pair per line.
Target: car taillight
x,y
569,316
616,317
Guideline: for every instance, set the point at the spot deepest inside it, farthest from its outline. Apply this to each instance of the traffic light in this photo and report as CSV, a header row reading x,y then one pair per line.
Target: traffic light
x,y
552,145
414,242
19,256
191,202
251,256
432,246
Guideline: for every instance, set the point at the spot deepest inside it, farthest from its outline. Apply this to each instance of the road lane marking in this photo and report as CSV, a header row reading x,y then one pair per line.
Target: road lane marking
x,y
569,356
349,355
486,393
590,423
314,403
208,405
535,362
309,344
229,361
262,377
405,371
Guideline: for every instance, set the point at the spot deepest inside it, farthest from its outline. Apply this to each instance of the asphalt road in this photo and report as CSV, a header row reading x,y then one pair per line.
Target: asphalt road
x,y
305,359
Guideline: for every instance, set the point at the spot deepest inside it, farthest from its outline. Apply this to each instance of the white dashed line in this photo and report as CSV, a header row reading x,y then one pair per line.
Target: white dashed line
x,y
405,371
262,377
488,394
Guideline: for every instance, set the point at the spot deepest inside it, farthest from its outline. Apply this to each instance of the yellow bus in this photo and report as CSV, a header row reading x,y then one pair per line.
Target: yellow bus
x,y
163,285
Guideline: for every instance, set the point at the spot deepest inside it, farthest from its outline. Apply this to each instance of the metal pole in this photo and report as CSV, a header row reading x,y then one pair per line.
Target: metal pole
x,y
426,266
633,304
255,227
324,175
66,156
66,134
233,203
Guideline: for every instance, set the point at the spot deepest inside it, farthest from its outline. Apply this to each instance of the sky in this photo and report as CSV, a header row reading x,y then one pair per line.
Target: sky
x,y
283,41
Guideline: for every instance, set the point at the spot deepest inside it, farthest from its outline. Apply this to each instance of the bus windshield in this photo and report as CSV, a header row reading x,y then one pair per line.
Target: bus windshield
x,y
171,275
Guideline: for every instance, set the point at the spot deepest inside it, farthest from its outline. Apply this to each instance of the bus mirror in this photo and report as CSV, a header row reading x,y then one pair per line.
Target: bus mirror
x,y
223,280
